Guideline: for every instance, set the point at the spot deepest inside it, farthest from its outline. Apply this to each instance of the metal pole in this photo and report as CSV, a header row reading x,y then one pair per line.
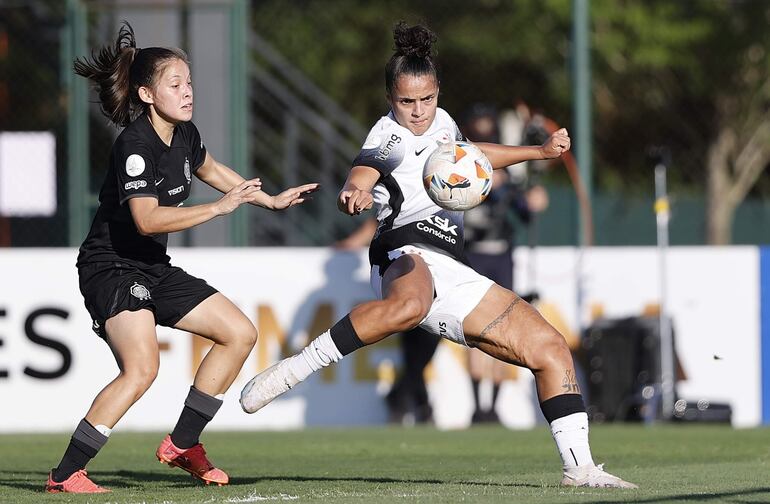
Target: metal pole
x,y
582,134
239,104
662,214
74,44
581,90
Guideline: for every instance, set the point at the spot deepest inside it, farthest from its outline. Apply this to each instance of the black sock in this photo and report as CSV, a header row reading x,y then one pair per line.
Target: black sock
x,y
345,337
85,443
199,409
475,386
495,392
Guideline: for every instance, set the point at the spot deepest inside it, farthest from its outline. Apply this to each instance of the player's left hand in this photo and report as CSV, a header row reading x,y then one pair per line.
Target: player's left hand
x,y
294,196
556,145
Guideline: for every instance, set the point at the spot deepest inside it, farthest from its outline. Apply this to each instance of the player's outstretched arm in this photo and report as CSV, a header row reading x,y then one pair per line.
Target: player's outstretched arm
x,y
151,218
356,194
224,178
501,156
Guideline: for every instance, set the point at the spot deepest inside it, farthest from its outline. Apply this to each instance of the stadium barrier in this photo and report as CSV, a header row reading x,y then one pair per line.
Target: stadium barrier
x,y
52,365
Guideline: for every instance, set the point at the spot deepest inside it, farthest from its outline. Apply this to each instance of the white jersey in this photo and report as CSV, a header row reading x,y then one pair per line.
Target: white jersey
x,y
405,213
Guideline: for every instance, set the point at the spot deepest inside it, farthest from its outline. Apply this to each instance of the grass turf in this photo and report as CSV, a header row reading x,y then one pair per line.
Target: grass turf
x,y
489,464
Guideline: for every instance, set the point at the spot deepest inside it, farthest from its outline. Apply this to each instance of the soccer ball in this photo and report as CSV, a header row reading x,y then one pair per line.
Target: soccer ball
x,y
457,176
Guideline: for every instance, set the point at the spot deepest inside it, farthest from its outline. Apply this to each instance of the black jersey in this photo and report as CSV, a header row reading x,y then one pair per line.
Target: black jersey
x,y
141,165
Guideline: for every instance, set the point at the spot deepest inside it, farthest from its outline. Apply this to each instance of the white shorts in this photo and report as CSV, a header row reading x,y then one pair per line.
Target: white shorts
x,y
459,289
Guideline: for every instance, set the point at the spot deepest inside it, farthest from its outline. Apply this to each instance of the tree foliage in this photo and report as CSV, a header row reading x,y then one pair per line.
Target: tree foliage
x,y
692,75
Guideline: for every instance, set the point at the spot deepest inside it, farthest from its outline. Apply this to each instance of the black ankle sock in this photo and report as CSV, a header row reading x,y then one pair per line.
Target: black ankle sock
x,y
475,385
199,409
188,428
85,443
495,391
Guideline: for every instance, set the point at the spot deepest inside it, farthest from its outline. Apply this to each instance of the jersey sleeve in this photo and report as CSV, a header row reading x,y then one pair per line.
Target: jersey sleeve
x,y
135,171
383,150
196,146
459,137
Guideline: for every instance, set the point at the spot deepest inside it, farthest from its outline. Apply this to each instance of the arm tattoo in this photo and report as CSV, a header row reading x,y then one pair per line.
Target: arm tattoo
x,y
500,318
569,383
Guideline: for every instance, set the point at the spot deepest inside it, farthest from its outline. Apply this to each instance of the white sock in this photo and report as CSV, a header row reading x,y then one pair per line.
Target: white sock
x,y
318,354
571,436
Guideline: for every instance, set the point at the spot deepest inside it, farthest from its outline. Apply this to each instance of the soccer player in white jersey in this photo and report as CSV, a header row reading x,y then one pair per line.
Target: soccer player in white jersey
x,y
418,269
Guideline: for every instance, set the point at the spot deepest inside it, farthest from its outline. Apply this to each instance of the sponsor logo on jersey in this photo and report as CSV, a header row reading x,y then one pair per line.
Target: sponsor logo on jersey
x,y
158,182
440,228
134,165
386,149
135,184
139,291
418,152
442,329
187,170
176,190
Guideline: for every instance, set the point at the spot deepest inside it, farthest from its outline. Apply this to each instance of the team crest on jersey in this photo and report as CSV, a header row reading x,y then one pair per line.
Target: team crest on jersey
x,y
140,292
187,170
134,165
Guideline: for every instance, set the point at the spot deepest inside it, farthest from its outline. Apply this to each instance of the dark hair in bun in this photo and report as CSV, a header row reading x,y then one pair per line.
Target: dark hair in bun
x,y
413,54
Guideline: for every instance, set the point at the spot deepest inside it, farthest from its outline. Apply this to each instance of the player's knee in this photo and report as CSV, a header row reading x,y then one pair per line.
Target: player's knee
x,y
552,352
407,313
247,335
141,376
241,334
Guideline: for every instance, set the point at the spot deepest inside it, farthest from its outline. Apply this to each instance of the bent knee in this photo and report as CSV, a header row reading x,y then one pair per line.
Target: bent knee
x,y
408,313
139,378
551,352
240,334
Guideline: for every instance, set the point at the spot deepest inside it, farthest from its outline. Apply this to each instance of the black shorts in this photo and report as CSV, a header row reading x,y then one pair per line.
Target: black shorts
x,y
109,288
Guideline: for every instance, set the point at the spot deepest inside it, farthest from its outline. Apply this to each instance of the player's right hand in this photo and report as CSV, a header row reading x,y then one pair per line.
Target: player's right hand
x,y
355,201
238,195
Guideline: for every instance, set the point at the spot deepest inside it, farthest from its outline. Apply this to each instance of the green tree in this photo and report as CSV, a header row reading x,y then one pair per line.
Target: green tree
x,y
692,75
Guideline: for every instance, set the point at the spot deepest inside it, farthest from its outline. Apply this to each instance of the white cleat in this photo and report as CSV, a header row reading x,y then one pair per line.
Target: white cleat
x,y
593,476
266,386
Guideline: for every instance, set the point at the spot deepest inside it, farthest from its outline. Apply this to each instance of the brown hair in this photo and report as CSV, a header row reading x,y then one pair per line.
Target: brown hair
x,y
119,70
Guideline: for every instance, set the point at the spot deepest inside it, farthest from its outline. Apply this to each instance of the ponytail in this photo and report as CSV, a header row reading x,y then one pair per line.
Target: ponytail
x,y
119,70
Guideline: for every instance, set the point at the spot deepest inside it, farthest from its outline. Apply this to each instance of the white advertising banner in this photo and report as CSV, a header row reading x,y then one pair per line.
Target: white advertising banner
x,y
712,297
52,364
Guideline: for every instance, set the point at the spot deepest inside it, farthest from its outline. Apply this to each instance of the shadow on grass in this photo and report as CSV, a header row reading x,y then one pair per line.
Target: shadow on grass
x,y
719,497
301,479
34,481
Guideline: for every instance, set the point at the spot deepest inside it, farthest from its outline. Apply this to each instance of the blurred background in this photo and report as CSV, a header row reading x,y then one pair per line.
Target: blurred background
x,y
288,90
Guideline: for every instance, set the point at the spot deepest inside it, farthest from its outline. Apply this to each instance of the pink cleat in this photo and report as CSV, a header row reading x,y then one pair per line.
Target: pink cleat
x,y
193,460
77,483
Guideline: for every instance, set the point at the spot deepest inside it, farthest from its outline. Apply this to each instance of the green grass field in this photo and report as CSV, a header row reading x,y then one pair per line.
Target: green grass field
x,y
489,464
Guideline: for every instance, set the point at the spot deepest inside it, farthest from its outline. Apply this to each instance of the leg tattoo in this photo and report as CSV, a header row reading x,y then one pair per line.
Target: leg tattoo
x,y
500,318
569,383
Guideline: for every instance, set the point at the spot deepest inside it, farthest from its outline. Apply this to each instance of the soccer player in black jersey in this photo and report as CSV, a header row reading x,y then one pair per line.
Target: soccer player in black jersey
x,y
418,269
126,278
